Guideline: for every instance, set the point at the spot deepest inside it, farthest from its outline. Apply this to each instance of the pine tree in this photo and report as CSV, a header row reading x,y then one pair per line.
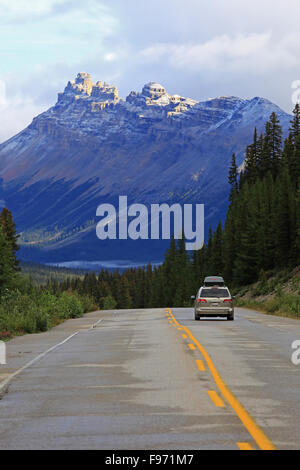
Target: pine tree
x,y
294,166
170,273
296,242
233,178
251,160
275,143
183,280
9,230
217,261
245,263
230,243
7,266
283,235
295,123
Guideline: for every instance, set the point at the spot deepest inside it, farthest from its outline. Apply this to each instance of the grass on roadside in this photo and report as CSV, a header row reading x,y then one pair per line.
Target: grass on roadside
x,y
275,293
283,305
30,310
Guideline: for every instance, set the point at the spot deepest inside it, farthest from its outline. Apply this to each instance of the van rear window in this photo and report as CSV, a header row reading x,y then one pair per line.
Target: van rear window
x,y
215,293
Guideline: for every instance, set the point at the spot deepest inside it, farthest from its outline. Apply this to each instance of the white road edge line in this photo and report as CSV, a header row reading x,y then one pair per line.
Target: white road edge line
x,y
6,382
95,324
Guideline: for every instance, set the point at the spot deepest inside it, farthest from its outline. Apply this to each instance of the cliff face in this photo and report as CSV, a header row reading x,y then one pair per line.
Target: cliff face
x,y
93,146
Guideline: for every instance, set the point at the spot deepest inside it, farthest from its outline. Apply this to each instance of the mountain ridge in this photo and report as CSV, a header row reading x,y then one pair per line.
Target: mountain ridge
x,y
93,146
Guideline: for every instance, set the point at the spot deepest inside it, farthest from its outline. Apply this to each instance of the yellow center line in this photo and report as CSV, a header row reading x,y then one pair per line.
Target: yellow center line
x,y
258,435
184,336
200,365
192,347
216,399
244,446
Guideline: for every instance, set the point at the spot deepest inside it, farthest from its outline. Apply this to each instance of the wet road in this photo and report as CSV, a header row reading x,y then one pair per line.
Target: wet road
x,y
153,379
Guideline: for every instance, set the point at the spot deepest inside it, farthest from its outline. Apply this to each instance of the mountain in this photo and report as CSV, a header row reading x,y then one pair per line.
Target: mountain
x,y
93,146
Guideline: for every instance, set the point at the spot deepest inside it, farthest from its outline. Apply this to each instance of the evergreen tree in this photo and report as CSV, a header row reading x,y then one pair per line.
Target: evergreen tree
x,y
217,261
275,142
9,230
7,267
183,280
251,160
295,123
233,178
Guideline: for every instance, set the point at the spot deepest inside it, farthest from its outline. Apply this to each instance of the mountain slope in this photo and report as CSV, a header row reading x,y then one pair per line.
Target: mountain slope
x,y
93,146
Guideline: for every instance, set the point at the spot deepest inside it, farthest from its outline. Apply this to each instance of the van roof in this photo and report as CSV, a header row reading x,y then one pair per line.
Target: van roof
x,y
214,278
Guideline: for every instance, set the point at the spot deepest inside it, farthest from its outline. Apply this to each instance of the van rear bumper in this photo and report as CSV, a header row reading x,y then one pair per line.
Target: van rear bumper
x,y
215,312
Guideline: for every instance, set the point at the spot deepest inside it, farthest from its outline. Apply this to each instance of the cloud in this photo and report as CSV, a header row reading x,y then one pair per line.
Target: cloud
x,y
3,99
31,10
16,112
238,52
197,48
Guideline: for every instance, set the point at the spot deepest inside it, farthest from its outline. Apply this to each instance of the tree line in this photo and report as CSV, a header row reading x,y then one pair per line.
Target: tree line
x,y
9,265
261,232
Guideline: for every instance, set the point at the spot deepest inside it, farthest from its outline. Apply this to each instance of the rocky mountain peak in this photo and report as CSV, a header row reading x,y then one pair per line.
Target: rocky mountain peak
x,y
82,96
83,88
153,90
93,146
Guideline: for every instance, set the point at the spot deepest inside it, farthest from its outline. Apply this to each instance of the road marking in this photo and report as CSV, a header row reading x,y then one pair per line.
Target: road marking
x,y
258,435
192,347
179,329
95,324
184,336
216,399
244,446
5,383
200,365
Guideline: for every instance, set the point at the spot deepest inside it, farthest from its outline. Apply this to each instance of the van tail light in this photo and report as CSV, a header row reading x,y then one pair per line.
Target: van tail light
x,y
201,300
227,300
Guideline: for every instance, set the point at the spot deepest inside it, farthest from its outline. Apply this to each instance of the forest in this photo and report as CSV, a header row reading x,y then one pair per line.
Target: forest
x,y
261,234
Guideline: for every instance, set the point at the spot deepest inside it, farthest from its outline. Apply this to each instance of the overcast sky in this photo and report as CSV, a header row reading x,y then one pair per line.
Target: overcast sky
x,y
196,48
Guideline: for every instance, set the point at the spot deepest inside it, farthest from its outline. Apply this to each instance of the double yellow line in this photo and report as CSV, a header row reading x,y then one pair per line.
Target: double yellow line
x,y
258,435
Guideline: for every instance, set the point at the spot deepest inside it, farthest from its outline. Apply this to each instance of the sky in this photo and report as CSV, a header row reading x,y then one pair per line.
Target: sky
x,y
195,48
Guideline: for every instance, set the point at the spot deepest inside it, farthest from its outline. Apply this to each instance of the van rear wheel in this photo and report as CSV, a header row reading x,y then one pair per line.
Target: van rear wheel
x,y
230,317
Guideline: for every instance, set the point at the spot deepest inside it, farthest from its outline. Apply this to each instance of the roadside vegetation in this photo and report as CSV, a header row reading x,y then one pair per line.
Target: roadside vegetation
x,y
26,307
277,293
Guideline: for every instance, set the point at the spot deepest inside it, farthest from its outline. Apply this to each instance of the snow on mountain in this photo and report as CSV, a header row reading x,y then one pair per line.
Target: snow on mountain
x,y
93,146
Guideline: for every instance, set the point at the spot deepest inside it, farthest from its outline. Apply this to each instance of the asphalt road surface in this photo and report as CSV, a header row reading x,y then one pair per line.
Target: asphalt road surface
x,y
153,379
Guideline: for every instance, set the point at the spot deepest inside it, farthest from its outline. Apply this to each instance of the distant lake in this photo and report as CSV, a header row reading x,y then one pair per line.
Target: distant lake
x,y
98,265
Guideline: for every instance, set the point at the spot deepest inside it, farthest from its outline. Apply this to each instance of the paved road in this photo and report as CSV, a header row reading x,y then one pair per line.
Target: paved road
x,y
151,379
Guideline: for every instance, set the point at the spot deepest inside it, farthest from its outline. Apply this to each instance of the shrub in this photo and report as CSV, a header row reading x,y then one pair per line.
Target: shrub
x,y
34,311
71,305
109,303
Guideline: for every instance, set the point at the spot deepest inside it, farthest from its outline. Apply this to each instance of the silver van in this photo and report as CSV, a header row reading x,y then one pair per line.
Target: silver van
x,y
213,301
